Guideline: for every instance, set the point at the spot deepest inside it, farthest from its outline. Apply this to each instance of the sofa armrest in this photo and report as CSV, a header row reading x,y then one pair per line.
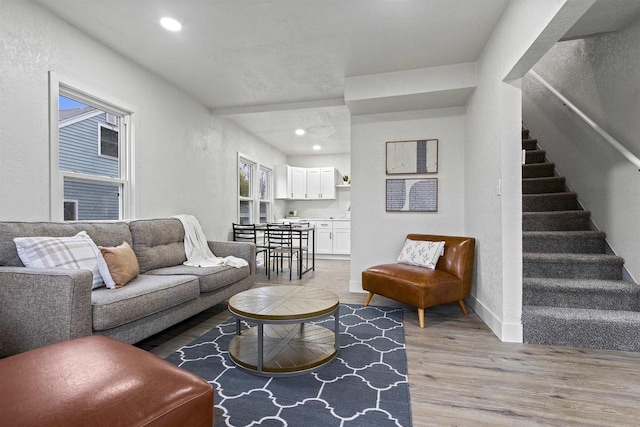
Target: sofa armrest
x,y
244,250
40,306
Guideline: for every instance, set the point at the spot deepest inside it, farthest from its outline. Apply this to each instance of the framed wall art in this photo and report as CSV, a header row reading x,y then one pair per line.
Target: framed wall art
x,y
406,157
412,195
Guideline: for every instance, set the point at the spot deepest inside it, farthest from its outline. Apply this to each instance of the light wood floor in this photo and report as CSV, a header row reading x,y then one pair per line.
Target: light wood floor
x,y
461,374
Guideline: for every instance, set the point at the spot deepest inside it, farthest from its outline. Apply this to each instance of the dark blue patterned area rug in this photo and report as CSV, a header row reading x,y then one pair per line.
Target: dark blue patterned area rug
x,y
366,385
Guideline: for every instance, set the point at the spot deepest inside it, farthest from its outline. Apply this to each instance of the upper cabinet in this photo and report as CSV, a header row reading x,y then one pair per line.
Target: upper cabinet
x,y
321,183
305,183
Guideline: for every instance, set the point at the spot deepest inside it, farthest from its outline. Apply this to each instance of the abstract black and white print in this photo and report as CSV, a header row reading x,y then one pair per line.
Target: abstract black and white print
x,y
412,195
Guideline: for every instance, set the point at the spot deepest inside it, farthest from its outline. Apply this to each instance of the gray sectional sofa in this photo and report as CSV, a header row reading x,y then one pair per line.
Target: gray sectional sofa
x,y
42,306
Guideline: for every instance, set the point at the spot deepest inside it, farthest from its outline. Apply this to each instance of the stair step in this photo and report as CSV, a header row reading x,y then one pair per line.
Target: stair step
x,y
530,144
605,329
565,201
556,221
534,156
547,184
585,242
587,293
537,170
572,266
525,133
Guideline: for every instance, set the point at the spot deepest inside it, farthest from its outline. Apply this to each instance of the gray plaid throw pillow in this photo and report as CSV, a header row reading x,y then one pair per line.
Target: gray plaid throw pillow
x,y
76,252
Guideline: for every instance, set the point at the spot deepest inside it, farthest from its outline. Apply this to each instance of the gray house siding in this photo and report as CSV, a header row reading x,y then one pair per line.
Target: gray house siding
x,y
95,200
79,152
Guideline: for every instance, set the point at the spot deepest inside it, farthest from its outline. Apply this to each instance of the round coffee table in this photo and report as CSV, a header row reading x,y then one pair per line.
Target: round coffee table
x,y
282,342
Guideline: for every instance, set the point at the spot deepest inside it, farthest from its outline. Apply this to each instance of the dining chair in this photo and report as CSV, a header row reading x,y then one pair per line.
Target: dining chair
x,y
249,233
280,243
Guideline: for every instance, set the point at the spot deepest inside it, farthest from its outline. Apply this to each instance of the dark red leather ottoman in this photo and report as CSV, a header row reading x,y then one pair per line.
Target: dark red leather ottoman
x,y
98,381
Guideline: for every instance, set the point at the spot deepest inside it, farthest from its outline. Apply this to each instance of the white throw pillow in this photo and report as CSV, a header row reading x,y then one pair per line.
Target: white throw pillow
x,y
422,253
76,252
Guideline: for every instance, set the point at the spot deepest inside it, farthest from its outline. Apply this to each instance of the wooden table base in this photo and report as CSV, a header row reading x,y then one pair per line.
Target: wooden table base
x,y
288,349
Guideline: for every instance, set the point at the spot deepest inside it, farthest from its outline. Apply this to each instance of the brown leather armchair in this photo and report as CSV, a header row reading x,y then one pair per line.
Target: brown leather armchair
x,y
423,287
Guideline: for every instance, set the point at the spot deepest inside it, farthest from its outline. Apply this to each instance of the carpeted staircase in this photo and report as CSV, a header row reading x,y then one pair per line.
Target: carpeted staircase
x,y
573,292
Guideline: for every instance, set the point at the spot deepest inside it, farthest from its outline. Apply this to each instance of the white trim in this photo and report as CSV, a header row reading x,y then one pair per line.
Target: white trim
x,y
56,210
611,140
355,286
506,332
78,176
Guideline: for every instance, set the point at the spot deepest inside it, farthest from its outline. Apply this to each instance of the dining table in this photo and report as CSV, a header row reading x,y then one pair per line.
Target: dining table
x,y
298,234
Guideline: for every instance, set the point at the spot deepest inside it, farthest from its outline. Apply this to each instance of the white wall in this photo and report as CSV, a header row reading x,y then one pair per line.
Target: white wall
x,y
185,159
322,208
600,75
527,29
376,235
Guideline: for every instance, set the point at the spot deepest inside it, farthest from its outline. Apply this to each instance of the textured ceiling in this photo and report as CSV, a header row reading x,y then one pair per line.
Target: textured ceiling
x,y
245,53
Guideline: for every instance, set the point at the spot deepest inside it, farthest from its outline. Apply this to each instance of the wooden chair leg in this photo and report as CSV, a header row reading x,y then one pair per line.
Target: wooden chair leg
x,y
366,303
462,306
421,317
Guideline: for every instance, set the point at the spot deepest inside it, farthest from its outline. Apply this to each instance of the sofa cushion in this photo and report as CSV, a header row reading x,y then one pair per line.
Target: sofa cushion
x,y
103,234
73,253
158,243
211,278
143,296
122,265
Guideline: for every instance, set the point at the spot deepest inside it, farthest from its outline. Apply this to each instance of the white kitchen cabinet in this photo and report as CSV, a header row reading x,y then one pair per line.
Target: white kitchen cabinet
x,y
290,182
305,183
324,235
333,237
314,183
298,179
321,183
341,237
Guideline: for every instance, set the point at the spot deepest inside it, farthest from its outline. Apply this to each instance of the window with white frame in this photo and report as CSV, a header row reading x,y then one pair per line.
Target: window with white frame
x,y
92,169
245,191
265,194
254,192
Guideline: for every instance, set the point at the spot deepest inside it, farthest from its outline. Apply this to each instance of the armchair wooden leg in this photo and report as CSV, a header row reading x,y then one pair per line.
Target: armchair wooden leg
x,y
366,303
462,306
421,317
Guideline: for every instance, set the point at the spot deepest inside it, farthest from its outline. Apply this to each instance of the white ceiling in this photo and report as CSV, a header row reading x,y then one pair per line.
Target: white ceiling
x,y
262,63
249,53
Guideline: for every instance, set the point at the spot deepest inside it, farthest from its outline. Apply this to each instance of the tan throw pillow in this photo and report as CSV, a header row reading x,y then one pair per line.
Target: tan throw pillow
x,y
122,263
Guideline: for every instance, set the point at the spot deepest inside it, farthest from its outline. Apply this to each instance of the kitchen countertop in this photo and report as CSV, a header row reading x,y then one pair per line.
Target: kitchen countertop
x,y
330,218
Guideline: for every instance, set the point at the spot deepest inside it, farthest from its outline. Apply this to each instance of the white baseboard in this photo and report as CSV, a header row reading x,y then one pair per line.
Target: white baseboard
x,y
333,256
506,332
355,286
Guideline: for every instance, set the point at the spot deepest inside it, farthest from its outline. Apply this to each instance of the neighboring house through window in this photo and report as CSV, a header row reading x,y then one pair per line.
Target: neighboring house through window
x,y
109,140
92,178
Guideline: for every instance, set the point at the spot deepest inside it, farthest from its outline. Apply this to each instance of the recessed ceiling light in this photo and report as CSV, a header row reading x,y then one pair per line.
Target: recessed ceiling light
x,y
316,147
300,132
171,24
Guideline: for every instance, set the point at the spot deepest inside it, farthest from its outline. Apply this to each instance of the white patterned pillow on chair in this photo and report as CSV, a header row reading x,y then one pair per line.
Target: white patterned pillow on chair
x,y
75,252
422,253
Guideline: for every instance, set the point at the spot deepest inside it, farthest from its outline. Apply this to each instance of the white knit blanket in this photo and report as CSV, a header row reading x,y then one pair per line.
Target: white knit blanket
x,y
197,249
